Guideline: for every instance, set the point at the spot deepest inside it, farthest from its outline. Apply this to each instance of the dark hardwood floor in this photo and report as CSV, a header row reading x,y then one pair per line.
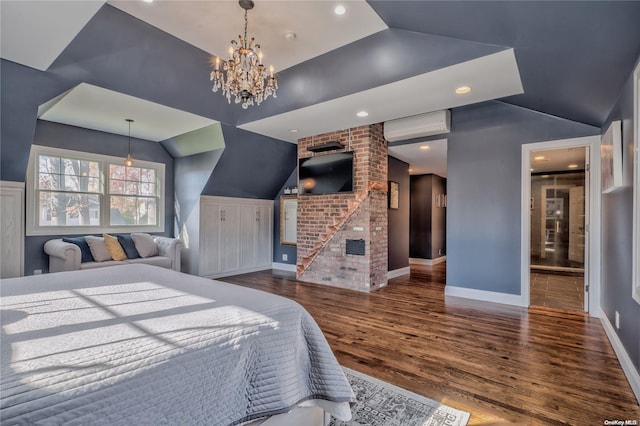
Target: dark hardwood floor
x,y
503,364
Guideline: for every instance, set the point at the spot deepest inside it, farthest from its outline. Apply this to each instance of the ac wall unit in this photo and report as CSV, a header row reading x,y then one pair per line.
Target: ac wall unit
x,y
418,126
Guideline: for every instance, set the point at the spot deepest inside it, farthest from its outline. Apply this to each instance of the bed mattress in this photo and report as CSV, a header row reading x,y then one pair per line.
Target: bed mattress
x,y
137,344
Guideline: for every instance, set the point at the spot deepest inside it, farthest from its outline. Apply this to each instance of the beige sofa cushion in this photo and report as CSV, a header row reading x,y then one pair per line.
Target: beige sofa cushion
x,y
93,265
98,248
144,244
165,262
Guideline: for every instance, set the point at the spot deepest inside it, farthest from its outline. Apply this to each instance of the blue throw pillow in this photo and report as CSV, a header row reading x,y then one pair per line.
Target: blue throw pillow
x,y
129,246
84,248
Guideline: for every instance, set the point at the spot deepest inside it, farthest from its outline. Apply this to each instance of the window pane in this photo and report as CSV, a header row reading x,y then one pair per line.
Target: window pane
x,y
93,184
147,189
133,173
148,208
117,172
133,210
131,188
71,167
123,210
71,183
116,187
48,164
148,175
63,209
48,181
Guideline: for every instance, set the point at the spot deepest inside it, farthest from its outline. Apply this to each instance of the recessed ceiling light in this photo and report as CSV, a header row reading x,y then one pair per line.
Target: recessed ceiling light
x,y
293,130
530,170
362,114
424,147
463,89
339,10
539,157
545,176
148,1
573,166
410,169
289,36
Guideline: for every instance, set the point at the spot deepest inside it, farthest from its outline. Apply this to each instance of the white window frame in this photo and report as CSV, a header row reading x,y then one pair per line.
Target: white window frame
x,y
636,186
32,227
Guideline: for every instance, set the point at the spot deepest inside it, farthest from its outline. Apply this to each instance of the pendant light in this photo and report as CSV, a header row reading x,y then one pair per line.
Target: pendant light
x,y
129,161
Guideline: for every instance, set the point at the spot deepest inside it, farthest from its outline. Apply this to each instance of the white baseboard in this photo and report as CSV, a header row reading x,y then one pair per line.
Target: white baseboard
x,y
428,262
283,267
485,296
633,377
398,272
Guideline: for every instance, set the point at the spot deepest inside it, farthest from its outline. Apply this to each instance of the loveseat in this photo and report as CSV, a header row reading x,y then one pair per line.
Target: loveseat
x,y
68,256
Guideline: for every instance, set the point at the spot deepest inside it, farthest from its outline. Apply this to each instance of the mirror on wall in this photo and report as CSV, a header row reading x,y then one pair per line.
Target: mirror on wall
x,y
288,220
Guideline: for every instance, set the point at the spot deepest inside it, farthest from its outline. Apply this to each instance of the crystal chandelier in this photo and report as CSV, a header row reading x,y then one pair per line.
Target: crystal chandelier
x,y
243,75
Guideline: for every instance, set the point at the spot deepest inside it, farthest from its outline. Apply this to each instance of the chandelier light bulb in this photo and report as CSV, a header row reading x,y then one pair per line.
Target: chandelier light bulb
x,y
243,76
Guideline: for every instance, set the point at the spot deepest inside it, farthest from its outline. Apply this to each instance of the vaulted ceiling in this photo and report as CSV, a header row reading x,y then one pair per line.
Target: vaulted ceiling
x,y
391,58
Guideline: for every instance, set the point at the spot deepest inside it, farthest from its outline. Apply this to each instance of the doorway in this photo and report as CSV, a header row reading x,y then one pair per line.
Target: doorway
x,y
558,257
557,243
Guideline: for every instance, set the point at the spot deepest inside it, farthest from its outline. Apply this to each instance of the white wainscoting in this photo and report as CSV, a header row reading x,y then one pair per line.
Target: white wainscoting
x,y
11,229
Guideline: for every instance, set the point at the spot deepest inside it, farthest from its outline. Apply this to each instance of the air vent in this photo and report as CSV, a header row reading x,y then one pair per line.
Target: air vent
x,y
417,126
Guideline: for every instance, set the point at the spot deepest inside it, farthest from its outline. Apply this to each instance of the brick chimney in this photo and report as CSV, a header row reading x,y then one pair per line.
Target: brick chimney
x,y
342,238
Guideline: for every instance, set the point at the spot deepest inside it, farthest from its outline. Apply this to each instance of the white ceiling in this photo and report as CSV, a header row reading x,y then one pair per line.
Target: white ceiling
x,y
317,28
423,161
96,108
34,33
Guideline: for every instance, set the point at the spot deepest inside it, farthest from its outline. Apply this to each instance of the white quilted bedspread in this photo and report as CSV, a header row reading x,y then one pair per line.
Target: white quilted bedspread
x,y
136,345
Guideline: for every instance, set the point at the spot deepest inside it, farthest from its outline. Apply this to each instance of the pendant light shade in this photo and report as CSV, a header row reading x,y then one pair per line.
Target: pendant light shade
x,y
129,160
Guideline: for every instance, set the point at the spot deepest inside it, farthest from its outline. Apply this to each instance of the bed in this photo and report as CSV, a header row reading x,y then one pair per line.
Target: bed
x,y
137,344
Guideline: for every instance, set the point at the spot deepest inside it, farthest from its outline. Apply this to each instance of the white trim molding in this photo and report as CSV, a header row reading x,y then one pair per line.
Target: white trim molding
x,y
486,296
398,272
593,248
623,357
283,267
428,262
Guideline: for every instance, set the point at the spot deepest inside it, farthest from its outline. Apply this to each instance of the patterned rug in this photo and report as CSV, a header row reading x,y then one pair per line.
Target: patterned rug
x,y
382,404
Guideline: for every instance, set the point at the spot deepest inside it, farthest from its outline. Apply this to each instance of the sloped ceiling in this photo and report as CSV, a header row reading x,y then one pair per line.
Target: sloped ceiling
x,y
570,59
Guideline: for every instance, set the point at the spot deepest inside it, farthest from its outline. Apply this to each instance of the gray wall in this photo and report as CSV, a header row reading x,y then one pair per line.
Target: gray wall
x,y
79,139
617,223
484,186
398,220
251,165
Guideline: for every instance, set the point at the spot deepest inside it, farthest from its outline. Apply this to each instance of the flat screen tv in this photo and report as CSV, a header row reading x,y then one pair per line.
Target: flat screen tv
x,y
326,174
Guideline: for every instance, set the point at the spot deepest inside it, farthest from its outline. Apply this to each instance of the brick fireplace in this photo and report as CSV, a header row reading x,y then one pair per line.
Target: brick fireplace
x,y
327,223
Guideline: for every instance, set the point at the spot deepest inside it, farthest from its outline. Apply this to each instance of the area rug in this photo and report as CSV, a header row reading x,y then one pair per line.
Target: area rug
x,y
382,404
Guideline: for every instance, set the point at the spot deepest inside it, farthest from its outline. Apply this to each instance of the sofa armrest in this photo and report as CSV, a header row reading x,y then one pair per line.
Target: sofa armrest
x,y
62,256
170,247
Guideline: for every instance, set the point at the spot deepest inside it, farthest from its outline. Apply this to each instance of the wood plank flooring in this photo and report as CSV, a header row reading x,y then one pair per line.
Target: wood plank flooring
x,y
505,365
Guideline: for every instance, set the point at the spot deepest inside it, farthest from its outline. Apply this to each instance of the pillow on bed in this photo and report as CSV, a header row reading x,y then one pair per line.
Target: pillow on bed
x,y
98,248
85,251
144,244
128,246
114,247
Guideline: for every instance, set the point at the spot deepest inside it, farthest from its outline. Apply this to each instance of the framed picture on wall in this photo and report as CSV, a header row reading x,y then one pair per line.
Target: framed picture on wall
x,y
611,155
394,201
